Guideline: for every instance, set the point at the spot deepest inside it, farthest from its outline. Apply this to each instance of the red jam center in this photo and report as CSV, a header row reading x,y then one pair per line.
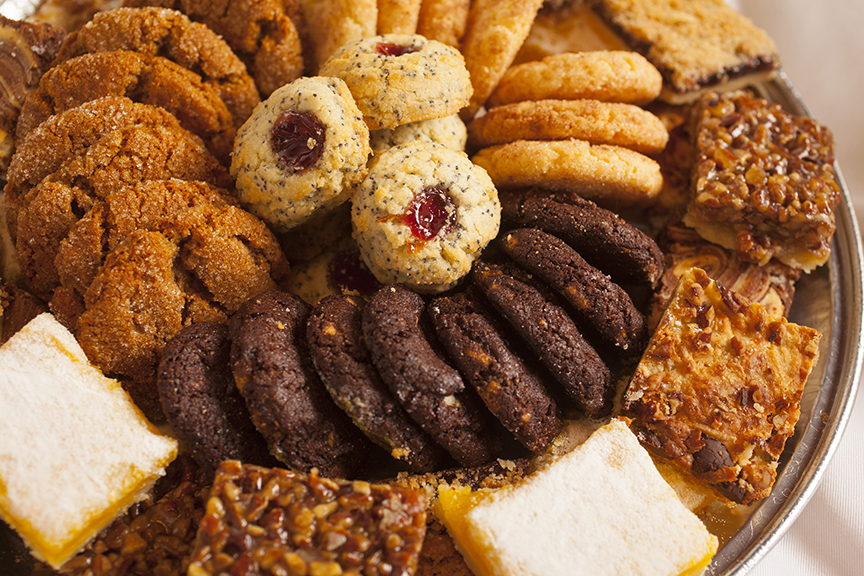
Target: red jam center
x,y
348,273
430,212
298,139
391,49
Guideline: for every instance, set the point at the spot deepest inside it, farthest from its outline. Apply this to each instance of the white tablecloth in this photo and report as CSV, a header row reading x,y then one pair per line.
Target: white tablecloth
x,y
822,47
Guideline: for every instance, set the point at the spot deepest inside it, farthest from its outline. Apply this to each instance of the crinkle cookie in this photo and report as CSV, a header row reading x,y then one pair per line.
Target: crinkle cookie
x,y
401,78
423,215
449,131
302,150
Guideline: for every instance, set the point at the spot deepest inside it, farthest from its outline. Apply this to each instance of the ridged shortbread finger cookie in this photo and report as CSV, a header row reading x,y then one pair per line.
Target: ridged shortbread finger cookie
x,y
301,151
168,33
608,175
401,78
398,16
443,20
494,34
449,131
597,122
607,75
423,215
337,23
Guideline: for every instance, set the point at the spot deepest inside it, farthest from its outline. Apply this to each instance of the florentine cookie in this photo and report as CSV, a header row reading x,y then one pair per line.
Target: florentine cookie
x,y
513,392
288,403
609,175
600,306
265,34
121,158
423,215
449,131
335,336
147,79
609,76
400,340
551,334
601,236
597,122
401,78
494,33
170,34
303,150
200,401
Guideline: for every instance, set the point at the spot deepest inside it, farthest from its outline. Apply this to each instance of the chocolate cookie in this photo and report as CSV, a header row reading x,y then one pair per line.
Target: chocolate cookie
x,y
551,334
335,336
513,392
121,158
170,34
288,403
200,401
603,238
147,79
601,307
400,341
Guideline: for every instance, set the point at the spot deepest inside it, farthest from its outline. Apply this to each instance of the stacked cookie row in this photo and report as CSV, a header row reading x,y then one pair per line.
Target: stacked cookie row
x,y
118,197
432,380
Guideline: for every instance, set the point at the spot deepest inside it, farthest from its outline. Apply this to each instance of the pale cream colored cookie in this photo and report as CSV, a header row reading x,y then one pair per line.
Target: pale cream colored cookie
x,y
607,75
597,122
611,176
401,78
449,131
423,215
302,150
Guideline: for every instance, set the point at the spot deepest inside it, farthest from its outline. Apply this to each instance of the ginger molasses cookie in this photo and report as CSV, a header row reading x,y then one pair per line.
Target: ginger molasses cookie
x,y
449,131
401,78
609,175
551,334
265,34
511,390
423,215
494,33
602,237
170,34
597,122
606,75
402,344
302,151
288,403
147,79
601,307
121,158
335,336
201,402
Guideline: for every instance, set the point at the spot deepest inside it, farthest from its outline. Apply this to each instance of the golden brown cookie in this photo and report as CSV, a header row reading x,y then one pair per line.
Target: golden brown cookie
x,y
401,78
170,34
147,79
338,22
120,158
443,20
608,175
265,34
607,75
494,34
597,122
398,16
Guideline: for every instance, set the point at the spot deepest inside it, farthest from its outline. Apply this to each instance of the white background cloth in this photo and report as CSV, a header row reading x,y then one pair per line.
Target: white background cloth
x,y
821,44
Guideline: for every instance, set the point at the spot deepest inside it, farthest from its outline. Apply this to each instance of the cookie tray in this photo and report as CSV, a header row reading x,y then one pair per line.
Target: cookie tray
x,y
830,299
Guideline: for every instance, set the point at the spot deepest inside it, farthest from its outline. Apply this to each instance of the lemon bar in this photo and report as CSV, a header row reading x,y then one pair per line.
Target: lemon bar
x,y
76,452
601,509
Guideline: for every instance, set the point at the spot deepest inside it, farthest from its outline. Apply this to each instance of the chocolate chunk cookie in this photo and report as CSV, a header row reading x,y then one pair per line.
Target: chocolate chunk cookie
x,y
200,401
600,306
551,334
288,403
400,340
603,238
335,336
511,390
170,34
147,79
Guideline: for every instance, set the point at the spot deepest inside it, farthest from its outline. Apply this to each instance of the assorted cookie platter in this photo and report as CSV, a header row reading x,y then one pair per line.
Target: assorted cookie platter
x,y
829,300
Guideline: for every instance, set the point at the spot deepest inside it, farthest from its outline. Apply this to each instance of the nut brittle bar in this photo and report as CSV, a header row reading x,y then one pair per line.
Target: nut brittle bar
x,y
719,387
